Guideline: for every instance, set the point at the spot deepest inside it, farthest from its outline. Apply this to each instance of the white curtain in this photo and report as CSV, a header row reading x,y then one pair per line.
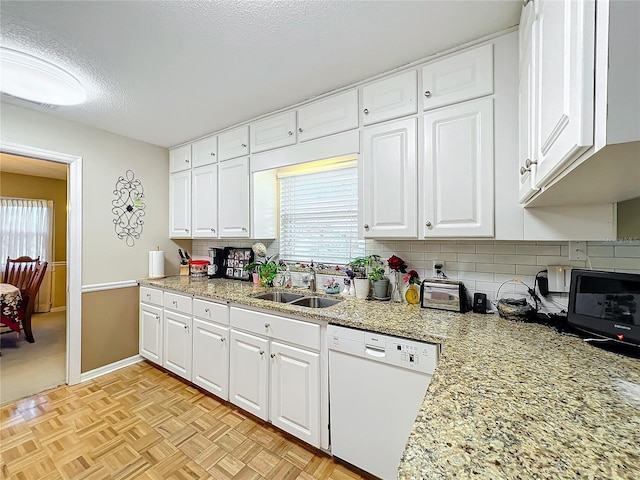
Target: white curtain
x,y
26,227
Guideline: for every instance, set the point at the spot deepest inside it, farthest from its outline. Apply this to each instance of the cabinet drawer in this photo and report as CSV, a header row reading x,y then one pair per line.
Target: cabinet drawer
x,y
215,312
285,329
151,295
457,78
179,303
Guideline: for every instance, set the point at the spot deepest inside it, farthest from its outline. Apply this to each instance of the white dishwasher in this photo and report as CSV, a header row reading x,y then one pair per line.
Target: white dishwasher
x,y
376,386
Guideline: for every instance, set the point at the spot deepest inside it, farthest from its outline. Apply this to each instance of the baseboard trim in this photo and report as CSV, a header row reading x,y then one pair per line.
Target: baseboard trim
x,y
109,286
58,309
112,367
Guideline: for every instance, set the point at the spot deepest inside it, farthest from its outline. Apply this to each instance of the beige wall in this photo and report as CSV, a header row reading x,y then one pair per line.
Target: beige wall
x,y
27,186
109,326
105,258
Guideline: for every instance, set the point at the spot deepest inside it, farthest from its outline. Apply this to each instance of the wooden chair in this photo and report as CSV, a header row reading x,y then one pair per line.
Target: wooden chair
x,y
27,305
19,272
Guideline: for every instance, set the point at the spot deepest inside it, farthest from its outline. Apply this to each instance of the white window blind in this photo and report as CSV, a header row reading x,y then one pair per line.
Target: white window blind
x,y
319,216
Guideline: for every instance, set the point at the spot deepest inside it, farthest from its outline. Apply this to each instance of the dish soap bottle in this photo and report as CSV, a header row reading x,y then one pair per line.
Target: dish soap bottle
x,y
412,295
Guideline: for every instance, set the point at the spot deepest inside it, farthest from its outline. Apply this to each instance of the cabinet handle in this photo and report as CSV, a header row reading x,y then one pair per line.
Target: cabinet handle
x,y
157,317
526,2
186,160
290,132
273,355
244,229
428,224
528,163
186,328
149,296
221,339
213,230
186,229
524,170
175,302
213,154
366,111
206,310
300,129
244,145
267,325
261,352
366,227
427,94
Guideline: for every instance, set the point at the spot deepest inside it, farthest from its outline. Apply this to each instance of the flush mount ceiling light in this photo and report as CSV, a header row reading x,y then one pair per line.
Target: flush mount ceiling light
x,y
30,78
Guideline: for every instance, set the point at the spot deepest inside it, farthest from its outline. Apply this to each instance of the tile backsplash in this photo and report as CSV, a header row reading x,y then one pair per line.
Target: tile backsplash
x,y
484,265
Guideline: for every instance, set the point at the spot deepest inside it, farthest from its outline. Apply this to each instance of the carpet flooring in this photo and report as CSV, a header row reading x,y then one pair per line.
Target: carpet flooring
x,y
29,368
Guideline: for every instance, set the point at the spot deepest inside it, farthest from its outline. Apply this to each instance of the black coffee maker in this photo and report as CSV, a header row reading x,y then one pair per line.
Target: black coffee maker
x,y
216,262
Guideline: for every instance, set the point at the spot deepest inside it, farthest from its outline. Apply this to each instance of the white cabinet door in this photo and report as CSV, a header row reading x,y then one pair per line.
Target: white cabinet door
x,y
273,132
211,357
458,175
151,333
328,116
177,343
390,98
249,373
564,83
204,208
205,151
457,78
233,198
180,158
526,102
234,143
180,204
389,179
295,392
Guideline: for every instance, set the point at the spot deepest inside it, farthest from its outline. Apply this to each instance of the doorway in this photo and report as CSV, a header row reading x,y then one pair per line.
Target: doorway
x,y
72,318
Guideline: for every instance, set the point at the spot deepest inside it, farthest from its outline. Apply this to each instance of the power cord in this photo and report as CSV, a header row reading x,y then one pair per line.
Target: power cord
x,y
587,257
530,291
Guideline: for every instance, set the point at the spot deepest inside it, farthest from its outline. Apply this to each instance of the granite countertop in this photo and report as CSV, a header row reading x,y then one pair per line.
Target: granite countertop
x,y
508,400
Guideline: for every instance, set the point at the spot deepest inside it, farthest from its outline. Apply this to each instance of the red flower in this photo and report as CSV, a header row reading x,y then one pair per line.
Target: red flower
x,y
412,277
397,264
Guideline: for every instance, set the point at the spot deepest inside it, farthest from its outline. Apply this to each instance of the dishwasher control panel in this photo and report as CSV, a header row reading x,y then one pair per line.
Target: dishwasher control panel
x,y
410,354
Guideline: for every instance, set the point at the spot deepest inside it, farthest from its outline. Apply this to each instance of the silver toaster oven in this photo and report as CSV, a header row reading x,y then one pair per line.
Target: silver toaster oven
x,y
444,295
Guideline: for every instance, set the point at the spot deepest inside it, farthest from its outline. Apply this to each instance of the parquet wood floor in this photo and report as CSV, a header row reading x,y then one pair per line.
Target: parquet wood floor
x,y
141,422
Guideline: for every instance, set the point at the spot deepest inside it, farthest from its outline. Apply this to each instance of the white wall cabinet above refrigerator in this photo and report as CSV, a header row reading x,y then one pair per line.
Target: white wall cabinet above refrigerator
x,y
204,152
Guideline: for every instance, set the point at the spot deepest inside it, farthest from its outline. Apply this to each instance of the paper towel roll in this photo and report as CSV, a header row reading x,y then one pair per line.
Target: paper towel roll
x,y
156,264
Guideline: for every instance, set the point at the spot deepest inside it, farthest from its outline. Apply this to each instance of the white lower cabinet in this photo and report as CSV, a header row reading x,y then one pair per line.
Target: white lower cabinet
x,y
211,357
151,333
294,400
276,380
249,373
177,343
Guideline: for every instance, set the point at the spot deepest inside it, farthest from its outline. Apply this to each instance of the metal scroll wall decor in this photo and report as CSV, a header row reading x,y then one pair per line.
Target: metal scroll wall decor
x,y
128,208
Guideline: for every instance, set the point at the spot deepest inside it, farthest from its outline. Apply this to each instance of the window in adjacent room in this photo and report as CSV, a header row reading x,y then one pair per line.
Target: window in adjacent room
x,y
319,212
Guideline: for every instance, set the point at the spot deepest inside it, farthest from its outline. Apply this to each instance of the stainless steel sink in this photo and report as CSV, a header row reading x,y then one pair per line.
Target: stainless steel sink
x,y
315,302
282,297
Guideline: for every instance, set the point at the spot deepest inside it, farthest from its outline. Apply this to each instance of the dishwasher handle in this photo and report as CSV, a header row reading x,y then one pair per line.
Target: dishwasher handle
x,y
375,353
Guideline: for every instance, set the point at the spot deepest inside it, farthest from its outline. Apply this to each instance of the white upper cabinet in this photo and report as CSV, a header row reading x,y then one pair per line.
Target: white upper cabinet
x,y
460,77
180,204
564,86
390,98
205,151
233,143
233,187
204,195
389,180
273,132
526,100
180,158
328,116
458,173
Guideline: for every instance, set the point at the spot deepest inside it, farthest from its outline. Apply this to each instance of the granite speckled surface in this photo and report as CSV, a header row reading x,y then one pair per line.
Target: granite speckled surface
x,y
507,401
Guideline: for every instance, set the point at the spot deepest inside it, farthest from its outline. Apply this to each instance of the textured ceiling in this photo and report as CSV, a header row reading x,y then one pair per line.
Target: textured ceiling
x,y
167,72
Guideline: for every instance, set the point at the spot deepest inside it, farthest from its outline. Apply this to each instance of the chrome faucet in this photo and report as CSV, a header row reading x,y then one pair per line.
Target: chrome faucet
x,y
312,277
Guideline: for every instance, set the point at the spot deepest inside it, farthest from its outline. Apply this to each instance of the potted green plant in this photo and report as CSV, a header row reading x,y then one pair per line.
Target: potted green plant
x,y
379,279
268,272
362,266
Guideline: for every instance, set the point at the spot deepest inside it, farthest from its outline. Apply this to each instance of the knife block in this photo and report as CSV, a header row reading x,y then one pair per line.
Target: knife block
x,y
184,270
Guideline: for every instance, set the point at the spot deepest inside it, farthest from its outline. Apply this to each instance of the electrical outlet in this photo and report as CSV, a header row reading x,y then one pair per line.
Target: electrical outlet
x,y
577,251
438,265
